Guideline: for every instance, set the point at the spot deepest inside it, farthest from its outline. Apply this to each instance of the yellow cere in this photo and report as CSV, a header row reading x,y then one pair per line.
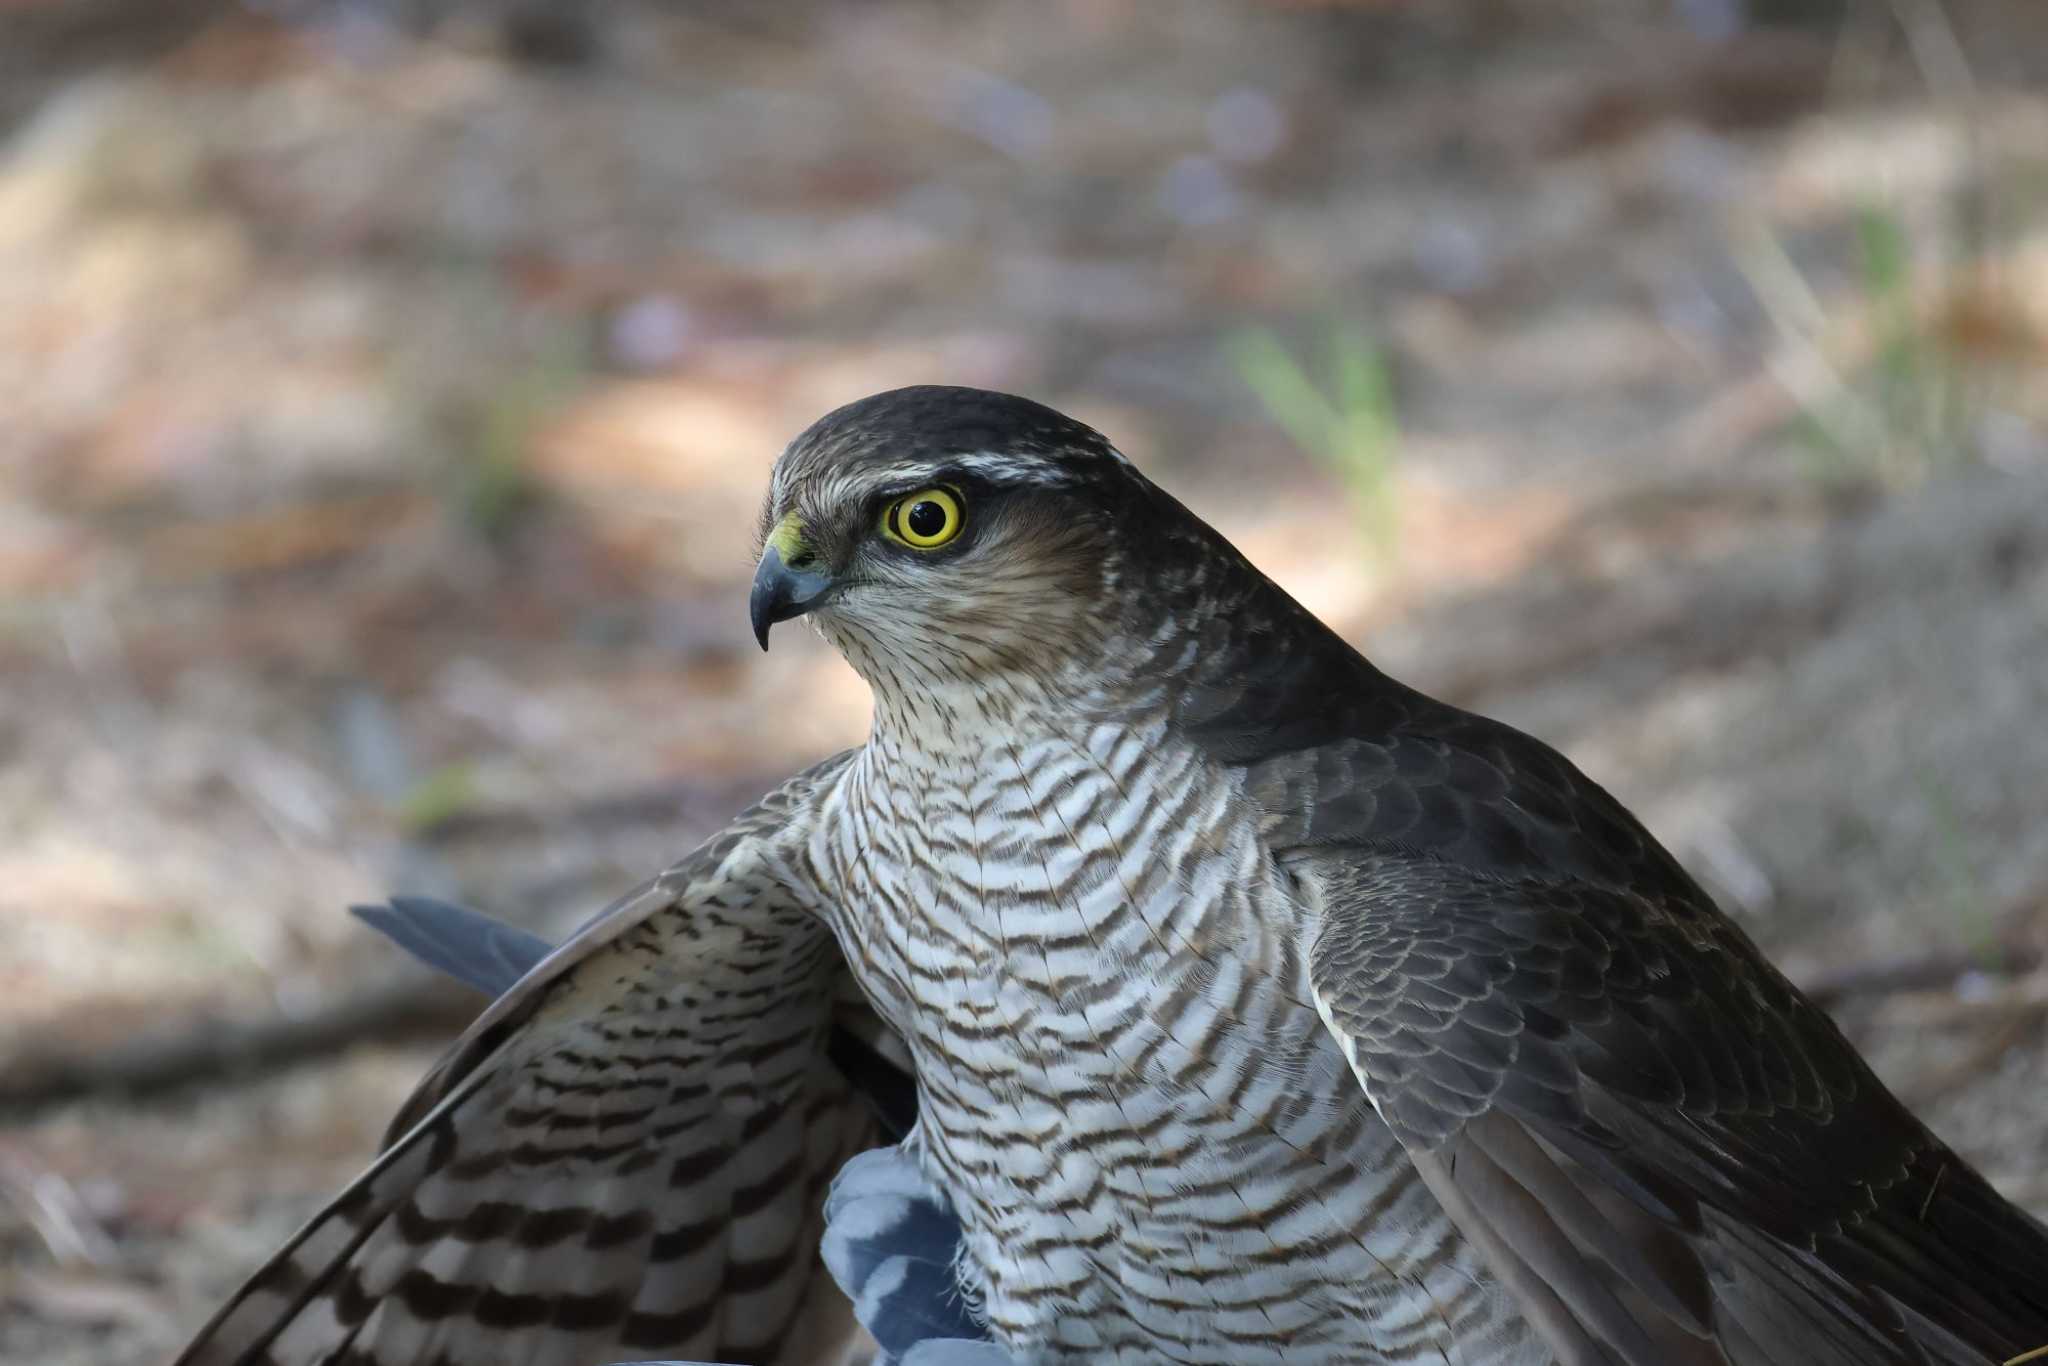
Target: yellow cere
x,y
787,539
925,520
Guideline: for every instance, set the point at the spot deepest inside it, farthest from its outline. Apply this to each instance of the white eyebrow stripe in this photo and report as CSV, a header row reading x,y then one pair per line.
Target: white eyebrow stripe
x,y
1005,467
1013,468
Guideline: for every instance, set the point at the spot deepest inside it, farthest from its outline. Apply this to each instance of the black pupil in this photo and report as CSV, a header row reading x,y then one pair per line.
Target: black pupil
x,y
925,519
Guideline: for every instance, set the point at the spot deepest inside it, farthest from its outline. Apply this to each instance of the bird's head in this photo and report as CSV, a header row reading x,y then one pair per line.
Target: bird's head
x,y
939,535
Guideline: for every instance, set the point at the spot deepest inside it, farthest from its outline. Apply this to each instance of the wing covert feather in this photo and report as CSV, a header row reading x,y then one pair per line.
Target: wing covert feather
x,y
626,1155
1669,1152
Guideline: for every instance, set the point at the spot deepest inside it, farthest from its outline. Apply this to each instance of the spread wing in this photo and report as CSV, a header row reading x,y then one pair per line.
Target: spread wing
x,y
625,1156
1655,1140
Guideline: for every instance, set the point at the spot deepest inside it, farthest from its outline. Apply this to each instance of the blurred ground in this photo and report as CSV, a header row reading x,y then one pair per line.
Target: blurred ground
x,y
388,390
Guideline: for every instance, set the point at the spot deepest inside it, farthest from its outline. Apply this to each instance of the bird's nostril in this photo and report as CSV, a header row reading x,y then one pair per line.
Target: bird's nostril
x,y
804,559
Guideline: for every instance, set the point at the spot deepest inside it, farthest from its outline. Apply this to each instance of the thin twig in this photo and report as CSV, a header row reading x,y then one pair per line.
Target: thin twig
x,y
409,1007
1922,972
2018,1022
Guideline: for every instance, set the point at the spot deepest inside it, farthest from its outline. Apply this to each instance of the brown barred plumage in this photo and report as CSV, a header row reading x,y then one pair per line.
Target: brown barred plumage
x,y
624,1157
1261,1008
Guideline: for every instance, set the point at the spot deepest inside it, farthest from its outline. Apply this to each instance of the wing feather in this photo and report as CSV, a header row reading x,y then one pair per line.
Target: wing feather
x,y
625,1155
1667,1152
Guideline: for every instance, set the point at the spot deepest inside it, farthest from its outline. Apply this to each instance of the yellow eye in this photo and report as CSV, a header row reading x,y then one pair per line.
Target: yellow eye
x,y
925,520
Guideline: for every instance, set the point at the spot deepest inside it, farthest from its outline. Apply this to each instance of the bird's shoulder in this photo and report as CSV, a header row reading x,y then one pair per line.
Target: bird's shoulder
x,y
1395,772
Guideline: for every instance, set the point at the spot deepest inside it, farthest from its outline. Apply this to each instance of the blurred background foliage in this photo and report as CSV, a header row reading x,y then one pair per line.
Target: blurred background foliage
x,y
387,387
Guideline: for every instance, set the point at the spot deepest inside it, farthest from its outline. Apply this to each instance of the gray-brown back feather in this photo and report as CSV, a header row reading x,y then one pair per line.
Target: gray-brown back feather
x,y
1546,1047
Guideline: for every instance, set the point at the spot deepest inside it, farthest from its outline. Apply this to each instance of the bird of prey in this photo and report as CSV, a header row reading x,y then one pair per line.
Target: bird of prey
x,y
1250,1005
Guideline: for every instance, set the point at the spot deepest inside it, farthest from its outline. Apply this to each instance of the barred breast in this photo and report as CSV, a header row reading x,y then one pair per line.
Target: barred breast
x,y
1156,1153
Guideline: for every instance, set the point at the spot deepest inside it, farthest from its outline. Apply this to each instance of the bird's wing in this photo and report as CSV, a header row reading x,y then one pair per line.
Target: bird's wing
x,y
891,1239
491,956
1654,1139
626,1155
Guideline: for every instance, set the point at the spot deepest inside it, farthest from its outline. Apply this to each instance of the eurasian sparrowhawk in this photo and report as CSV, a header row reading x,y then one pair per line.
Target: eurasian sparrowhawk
x,y
1260,1008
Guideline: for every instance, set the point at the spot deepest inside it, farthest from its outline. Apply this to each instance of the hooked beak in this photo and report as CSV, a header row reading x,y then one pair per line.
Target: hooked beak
x,y
789,581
